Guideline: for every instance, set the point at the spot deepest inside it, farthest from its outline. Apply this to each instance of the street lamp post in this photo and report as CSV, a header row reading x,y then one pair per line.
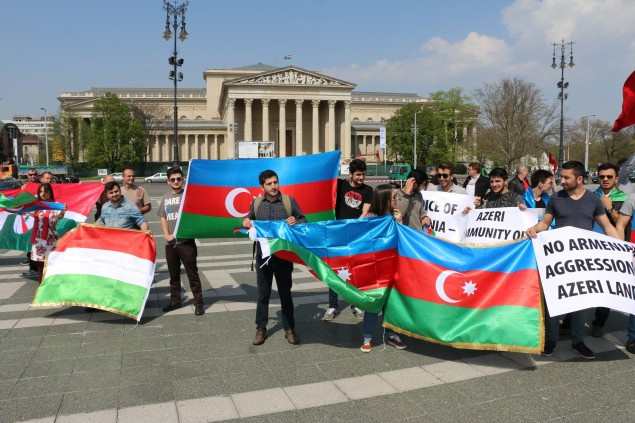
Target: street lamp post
x,y
46,137
586,143
414,165
562,86
175,10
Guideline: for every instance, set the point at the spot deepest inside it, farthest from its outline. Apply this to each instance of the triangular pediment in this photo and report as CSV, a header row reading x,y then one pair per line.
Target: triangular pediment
x,y
290,76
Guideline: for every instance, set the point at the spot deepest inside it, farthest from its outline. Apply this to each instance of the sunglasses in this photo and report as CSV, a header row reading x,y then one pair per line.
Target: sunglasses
x,y
443,175
178,179
32,174
605,176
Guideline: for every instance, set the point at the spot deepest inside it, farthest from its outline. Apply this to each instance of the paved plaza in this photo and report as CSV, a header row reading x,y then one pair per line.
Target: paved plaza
x,y
68,365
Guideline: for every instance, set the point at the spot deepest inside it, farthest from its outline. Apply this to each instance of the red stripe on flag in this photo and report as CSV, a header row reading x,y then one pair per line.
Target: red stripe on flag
x,y
312,197
418,279
627,117
112,239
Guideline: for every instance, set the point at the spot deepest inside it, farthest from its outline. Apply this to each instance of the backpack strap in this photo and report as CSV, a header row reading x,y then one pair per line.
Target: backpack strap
x,y
286,202
257,203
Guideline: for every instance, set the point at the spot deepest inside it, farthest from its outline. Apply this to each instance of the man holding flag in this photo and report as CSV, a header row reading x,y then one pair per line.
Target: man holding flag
x,y
625,217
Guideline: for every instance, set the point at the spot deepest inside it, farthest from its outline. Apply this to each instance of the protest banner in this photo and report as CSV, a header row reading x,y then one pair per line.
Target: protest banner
x,y
490,226
445,209
580,269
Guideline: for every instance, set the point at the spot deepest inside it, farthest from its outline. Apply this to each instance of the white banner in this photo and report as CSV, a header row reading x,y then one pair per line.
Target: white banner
x,y
382,137
490,226
446,212
581,269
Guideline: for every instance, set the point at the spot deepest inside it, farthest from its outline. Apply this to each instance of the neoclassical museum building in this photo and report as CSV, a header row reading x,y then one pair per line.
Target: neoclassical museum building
x,y
301,111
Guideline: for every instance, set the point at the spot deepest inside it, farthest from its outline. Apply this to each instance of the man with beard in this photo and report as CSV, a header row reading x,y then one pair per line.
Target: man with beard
x,y
499,195
575,206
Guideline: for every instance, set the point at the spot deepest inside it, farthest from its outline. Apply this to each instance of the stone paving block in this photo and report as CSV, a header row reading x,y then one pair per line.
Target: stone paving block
x,y
5,389
49,368
17,356
209,409
364,386
239,306
93,380
262,402
143,344
299,375
409,379
199,387
8,324
97,363
599,345
453,371
113,346
27,332
103,316
7,289
40,386
163,412
102,416
134,395
14,307
249,381
144,358
33,322
315,394
158,374
89,401
41,409
491,364
75,318
20,343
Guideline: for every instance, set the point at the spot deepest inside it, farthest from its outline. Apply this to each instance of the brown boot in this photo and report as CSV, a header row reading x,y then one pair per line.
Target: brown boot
x,y
261,335
291,336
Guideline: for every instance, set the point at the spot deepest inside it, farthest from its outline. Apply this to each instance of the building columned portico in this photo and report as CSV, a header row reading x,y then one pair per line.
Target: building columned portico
x,y
301,111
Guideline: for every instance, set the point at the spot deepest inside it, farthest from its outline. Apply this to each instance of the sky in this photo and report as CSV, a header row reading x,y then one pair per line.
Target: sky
x,y
418,47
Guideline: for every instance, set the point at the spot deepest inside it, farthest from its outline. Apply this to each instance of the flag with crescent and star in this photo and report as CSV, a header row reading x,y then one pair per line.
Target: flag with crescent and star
x,y
219,192
483,297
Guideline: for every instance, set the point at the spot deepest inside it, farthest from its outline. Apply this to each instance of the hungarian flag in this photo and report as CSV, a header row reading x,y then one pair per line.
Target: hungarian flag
x,y
219,192
79,199
26,202
627,117
357,258
484,297
553,161
100,267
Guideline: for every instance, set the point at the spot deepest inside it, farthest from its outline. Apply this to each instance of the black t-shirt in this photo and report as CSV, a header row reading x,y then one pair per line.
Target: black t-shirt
x,y
578,213
540,204
350,200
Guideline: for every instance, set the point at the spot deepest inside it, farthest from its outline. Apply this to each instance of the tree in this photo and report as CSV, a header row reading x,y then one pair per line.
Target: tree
x,y
456,111
431,144
69,132
514,120
116,138
152,118
605,146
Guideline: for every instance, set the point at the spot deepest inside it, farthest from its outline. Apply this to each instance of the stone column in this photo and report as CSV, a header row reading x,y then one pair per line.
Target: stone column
x,y
282,130
298,127
166,148
265,119
216,154
331,137
316,129
196,154
346,148
206,155
231,104
248,101
156,157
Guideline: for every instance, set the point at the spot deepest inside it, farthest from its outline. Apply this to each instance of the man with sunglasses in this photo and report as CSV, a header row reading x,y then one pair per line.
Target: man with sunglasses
x,y
445,173
178,251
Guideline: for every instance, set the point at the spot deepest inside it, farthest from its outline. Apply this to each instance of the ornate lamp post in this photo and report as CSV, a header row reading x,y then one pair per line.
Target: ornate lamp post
x,y
46,137
586,143
562,86
175,10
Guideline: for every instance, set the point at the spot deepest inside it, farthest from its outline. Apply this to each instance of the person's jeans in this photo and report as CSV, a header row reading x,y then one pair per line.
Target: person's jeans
x,y
185,253
370,323
631,327
578,326
282,270
334,300
601,316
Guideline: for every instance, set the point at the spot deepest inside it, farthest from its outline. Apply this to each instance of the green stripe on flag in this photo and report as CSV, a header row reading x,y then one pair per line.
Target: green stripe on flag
x,y
371,300
199,226
504,328
91,291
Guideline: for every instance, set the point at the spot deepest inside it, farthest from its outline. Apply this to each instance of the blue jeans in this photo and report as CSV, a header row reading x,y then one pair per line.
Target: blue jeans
x,y
631,327
578,328
333,300
370,323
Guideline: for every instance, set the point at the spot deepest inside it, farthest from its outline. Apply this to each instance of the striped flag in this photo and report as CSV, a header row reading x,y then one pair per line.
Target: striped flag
x,y
485,297
218,192
26,202
96,266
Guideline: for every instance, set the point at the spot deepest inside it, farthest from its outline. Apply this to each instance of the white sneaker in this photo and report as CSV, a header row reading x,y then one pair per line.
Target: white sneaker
x,y
358,313
330,314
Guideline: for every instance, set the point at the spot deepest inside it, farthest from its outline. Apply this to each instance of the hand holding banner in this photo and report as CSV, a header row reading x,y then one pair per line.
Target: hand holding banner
x,y
491,226
445,209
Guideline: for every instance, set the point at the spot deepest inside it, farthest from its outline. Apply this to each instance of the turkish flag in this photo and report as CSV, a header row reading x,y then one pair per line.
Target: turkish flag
x,y
553,161
627,118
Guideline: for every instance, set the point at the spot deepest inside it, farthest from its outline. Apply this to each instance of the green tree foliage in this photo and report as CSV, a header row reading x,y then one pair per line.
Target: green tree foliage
x,y
457,111
116,138
69,135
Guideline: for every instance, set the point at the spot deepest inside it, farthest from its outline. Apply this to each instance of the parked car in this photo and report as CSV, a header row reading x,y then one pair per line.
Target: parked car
x,y
9,183
594,177
157,177
70,179
118,176
632,177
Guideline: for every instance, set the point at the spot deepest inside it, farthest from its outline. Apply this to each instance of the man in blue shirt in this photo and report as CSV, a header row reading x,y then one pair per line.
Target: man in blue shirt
x,y
120,213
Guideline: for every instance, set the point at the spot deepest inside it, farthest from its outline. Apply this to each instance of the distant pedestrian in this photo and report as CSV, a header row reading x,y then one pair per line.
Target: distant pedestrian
x,y
519,184
44,233
476,184
135,194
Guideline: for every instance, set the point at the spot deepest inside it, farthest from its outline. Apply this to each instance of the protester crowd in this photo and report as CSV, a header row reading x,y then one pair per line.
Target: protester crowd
x,y
575,206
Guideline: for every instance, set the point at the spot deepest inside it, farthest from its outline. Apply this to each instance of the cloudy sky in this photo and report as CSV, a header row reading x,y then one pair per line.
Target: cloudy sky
x,y
398,46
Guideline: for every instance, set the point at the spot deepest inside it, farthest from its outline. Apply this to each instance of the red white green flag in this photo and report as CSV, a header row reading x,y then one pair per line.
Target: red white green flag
x,y
100,267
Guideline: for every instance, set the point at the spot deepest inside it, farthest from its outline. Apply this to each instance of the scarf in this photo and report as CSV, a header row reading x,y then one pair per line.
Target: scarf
x,y
615,194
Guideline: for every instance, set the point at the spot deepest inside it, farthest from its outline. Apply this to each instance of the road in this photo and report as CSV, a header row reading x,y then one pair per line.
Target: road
x,y
67,365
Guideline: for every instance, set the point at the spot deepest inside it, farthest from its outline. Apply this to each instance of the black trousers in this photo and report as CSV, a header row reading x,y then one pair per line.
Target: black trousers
x,y
185,253
282,270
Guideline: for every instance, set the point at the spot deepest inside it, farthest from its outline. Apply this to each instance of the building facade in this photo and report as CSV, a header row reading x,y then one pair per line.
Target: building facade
x,y
301,111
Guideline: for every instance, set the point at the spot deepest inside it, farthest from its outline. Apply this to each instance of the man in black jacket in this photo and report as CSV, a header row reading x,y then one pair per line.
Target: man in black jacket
x,y
476,184
520,184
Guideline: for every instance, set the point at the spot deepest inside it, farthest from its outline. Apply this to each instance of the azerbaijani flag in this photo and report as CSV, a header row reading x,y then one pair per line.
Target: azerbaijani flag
x,y
219,192
357,258
26,202
15,230
485,297
101,267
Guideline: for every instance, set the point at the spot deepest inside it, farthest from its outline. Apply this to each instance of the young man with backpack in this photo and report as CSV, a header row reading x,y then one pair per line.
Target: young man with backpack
x,y
273,206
